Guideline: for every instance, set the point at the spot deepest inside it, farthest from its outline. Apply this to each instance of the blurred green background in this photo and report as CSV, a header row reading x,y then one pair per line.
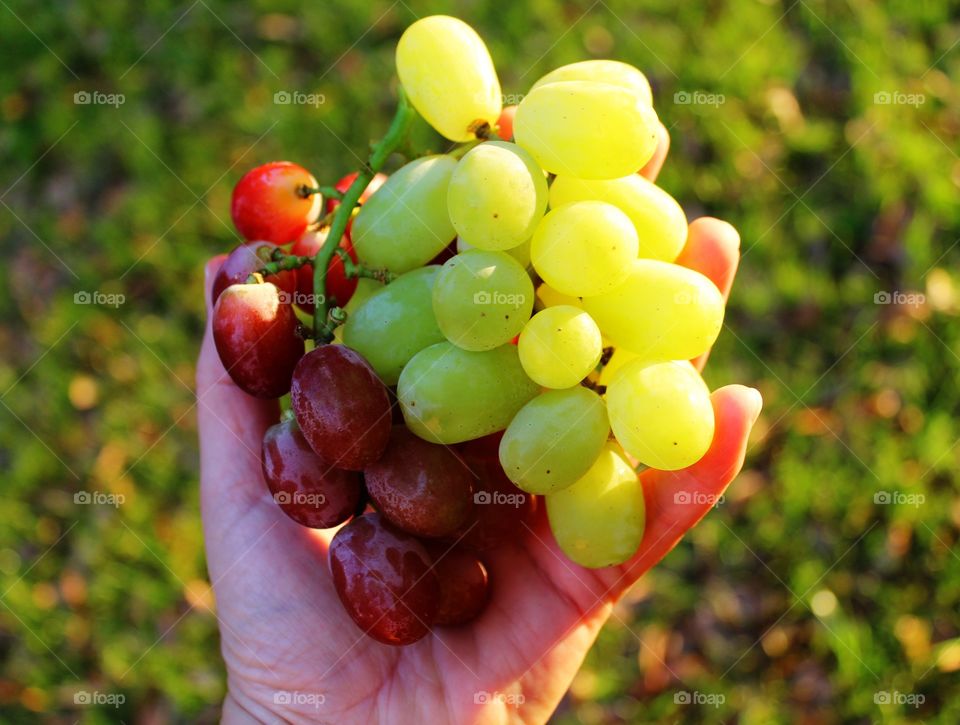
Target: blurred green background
x,y
827,132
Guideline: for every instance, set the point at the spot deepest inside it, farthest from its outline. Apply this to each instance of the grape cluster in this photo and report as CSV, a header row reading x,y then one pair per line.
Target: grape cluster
x,y
495,324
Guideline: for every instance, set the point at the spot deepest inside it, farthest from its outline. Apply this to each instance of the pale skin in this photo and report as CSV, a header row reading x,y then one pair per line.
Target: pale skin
x,y
283,629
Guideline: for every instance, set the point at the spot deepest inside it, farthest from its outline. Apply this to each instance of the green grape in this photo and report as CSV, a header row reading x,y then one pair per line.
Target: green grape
x,y
448,75
549,297
600,519
521,252
497,196
482,299
584,249
395,323
660,222
366,288
661,312
602,71
661,413
588,130
560,346
554,439
405,223
449,395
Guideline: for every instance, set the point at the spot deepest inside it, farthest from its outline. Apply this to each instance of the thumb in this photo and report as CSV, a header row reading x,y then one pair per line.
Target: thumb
x,y
231,425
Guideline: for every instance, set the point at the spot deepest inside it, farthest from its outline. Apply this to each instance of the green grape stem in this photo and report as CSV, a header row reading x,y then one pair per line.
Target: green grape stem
x,y
281,262
379,153
352,270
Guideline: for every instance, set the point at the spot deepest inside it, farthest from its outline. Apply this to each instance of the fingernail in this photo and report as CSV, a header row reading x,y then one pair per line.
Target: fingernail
x,y
756,404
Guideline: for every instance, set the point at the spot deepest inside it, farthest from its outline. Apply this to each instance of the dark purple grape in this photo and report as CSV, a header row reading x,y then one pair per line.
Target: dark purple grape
x,y
384,580
464,584
246,259
500,509
420,487
342,407
256,338
308,490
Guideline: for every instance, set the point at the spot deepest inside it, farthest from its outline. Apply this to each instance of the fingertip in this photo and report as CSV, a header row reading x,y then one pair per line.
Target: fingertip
x,y
651,169
724,233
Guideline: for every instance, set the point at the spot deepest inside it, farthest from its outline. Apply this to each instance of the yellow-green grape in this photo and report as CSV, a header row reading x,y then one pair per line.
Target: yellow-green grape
x,y
521,252
482,299
660,222
395,323
549,297
584,249
560,346
405,223
449,395
554,439
447,72
661,312
619,358
602,71
497,196
661,413
588,130
366,288
600,519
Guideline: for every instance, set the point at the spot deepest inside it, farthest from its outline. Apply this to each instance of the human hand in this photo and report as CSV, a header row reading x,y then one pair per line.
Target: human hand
x,y
293,654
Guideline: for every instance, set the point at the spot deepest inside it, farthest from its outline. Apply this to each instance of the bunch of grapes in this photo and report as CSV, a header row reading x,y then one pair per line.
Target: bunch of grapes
x,y
491,325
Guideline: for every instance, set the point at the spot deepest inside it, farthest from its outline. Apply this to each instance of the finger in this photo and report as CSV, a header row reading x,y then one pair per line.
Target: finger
x,y
713,249
677,500
652,168
231,425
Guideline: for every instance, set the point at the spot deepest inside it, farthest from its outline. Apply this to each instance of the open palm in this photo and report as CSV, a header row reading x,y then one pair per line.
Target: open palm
x,y
293,654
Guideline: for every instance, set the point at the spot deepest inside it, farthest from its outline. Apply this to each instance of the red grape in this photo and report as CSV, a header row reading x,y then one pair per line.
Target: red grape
x,y
268,204
384,581
375,183
309,491
246,259
505,123
500,509
420,487
464,584
256,336
339,286
342,407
